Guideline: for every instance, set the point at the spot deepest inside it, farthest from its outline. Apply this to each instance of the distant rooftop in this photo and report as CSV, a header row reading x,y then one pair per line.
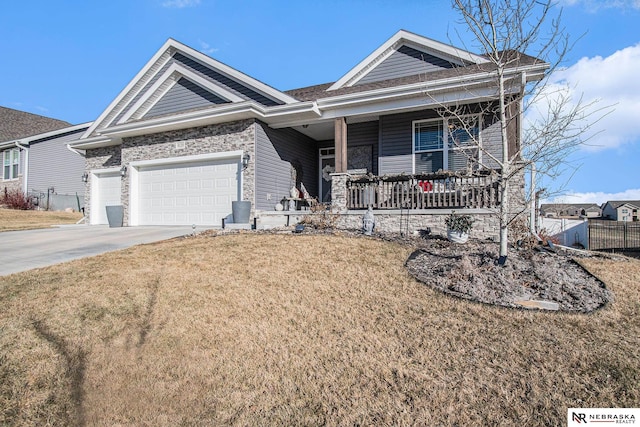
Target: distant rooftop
x,y
15,124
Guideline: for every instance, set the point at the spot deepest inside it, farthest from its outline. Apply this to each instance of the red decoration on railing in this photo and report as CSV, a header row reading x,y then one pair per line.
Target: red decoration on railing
x,y
425,185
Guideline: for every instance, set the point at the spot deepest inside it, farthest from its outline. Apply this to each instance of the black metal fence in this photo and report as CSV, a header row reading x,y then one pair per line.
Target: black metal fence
x,y
614,235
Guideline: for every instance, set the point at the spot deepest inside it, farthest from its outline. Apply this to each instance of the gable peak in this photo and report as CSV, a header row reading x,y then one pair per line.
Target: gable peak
x,y
425,45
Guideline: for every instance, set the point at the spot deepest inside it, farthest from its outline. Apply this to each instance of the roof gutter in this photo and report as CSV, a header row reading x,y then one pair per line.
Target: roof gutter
x,y
93,142
532,72
237,111
73,150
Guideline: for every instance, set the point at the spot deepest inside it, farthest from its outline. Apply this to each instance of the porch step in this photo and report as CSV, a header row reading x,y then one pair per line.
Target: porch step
x,y
232,226
266,221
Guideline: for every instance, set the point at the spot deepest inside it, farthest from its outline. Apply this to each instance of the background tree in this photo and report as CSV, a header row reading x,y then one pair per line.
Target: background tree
x,y
518,37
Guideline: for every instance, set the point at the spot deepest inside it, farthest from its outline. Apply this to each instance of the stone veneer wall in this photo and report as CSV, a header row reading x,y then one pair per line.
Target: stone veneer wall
x,y
239,135
517,197
486,225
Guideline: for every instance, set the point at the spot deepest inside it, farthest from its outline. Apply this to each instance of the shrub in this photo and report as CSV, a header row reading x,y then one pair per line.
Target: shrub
x,y
459,223
321,217
15,199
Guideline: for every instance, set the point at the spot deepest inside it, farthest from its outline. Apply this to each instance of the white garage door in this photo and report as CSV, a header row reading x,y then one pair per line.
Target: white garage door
x,y
197,193
106,191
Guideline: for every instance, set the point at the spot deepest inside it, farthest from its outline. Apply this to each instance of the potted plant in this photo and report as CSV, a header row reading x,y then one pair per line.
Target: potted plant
x,y
458,227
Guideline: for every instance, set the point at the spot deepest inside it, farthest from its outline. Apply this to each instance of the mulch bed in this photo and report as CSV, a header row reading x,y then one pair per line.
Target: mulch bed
x,y
471,271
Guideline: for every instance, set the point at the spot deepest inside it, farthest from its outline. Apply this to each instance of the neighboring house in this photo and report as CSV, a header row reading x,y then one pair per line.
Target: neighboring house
x,y
189,135
52,174
570,210
622,210
14,126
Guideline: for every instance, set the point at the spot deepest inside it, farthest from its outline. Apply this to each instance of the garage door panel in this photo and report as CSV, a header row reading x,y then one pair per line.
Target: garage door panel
x,y
187,193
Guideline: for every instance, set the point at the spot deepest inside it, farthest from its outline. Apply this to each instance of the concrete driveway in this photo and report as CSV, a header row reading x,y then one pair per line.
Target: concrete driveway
x,y
24,250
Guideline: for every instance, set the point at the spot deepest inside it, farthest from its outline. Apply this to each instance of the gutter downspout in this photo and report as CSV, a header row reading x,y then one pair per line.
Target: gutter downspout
x,y
25,172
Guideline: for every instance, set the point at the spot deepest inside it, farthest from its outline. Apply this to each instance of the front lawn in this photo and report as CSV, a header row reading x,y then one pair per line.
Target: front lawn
x,y
12,219
259,329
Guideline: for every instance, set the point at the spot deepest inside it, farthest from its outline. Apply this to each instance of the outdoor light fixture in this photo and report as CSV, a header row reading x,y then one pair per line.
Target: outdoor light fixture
x,y
245,160
123,170
85,177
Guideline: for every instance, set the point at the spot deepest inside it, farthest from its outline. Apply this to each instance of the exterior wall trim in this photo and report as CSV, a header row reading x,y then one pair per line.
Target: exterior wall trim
x,y
187,159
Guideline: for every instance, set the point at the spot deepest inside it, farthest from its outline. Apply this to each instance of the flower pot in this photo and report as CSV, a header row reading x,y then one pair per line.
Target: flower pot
x,y
241,211
115,215
457,236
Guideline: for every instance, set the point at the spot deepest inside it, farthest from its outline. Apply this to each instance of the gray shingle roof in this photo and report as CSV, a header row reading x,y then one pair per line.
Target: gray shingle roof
x,y
15,124
617,203
312,93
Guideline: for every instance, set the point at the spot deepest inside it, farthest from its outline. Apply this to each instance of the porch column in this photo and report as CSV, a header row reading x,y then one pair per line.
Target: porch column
x,y
340,143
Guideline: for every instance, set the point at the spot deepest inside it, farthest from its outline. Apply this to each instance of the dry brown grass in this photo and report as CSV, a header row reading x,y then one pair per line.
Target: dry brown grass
x,y
297,330
12,220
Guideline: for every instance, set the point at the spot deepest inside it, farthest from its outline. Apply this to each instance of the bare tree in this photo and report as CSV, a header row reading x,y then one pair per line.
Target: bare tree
x,y
523,44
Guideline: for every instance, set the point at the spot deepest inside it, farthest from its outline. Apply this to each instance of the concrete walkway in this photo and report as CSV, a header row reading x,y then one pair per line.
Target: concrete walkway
x,y
24,250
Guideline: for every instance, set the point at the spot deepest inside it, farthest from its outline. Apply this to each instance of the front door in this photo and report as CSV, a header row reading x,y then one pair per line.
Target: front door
x,y
327,166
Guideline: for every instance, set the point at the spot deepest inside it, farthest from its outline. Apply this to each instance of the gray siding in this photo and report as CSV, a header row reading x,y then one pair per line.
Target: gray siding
x,y
184,95
491,142
276,151
406,61
234,86
396,133
51,164
396,139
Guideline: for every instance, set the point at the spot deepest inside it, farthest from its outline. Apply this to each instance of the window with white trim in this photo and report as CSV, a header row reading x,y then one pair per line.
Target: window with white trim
x,y
459,153
10,163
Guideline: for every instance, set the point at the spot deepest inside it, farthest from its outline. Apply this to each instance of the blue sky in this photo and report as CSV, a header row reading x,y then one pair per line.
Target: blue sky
x,y
69,59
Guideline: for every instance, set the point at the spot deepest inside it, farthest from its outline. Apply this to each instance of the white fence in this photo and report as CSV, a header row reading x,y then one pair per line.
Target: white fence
x,y
570,232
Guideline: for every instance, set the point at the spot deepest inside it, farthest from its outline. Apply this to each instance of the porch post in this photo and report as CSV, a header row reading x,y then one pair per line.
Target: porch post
x,y
340,143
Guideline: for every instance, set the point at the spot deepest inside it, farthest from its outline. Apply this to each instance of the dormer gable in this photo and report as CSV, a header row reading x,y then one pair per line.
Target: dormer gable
x,y
406,54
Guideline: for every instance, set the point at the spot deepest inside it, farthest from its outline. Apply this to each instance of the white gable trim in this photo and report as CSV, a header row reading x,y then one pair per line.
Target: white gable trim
x,y
415,41
167,49
173,74
157,57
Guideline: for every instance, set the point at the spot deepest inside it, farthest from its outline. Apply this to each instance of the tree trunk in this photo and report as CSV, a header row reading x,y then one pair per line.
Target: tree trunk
x,y
506,166
504,219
